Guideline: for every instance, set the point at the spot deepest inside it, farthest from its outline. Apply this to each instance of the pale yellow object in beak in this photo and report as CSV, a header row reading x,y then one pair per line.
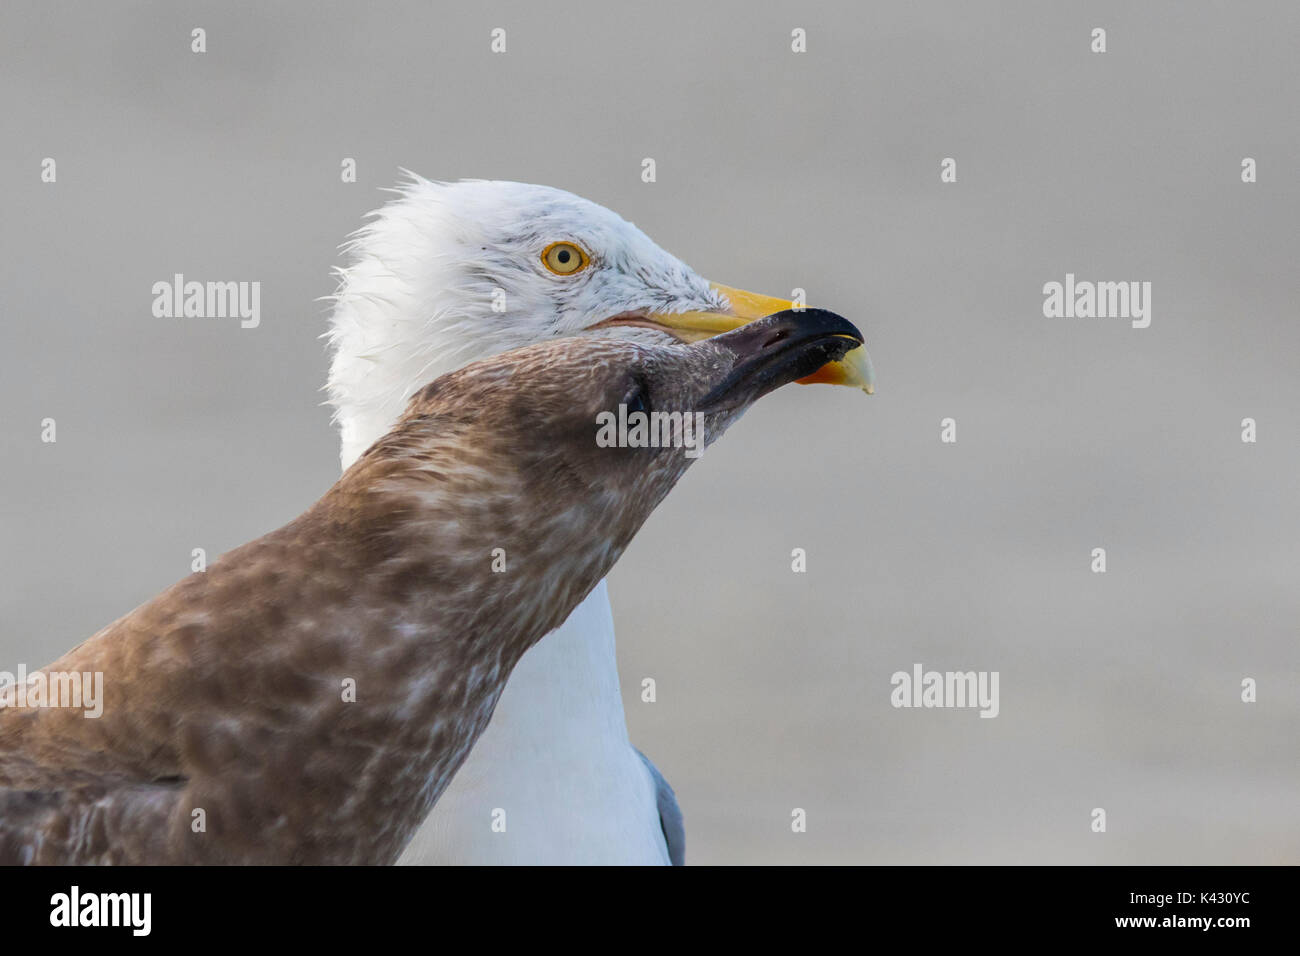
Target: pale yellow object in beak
x,y
854,369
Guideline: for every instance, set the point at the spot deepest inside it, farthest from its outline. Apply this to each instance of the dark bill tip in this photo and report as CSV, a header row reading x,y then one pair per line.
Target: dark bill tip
x,y
780,349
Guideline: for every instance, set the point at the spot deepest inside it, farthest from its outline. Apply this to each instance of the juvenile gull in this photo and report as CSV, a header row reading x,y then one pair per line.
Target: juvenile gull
x,y
452,272
308,697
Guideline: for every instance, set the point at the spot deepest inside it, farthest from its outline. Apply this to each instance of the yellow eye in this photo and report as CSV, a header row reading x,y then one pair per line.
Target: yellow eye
x,y
564,258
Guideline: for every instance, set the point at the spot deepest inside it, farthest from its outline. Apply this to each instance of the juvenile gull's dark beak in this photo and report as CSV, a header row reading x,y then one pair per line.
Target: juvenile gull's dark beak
x,y
779,349
854,369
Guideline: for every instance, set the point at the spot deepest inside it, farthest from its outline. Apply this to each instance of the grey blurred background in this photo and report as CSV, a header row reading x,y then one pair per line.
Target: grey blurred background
x,y
775,170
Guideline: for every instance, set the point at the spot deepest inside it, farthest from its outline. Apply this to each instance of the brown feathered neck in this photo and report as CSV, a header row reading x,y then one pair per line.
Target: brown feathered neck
x,y
310,695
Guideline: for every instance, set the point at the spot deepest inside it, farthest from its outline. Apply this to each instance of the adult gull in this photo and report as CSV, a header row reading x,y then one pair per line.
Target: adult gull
x,y
447,273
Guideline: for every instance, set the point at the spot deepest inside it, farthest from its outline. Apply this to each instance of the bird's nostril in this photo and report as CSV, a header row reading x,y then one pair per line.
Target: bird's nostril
x,y
778,336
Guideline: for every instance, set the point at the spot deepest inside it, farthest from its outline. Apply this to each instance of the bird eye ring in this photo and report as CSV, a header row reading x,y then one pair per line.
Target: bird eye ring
x,y
564,258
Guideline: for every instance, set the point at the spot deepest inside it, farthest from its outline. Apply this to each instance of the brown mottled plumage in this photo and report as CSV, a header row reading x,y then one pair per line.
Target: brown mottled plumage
x,y
225,694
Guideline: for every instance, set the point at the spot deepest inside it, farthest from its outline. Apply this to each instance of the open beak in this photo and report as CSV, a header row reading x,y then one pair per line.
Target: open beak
x,y
854,369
